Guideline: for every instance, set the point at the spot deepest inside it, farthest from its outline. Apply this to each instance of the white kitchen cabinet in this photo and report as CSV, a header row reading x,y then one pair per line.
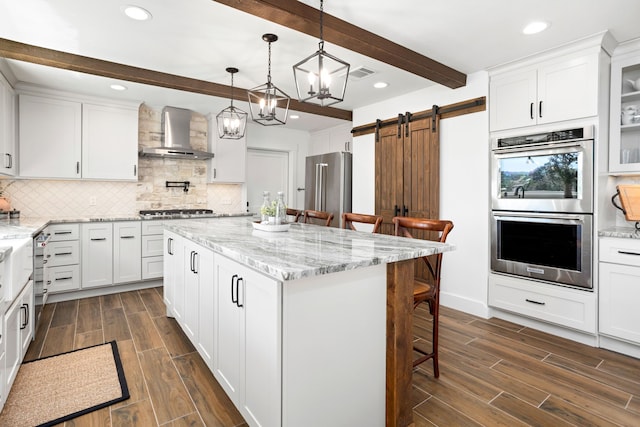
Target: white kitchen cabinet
x,y
230,156
61,270
68,137
97,254
3,389
50,137
173,275
109,142
247,337
624,126
152,249
7,128
18,332
620,288
338,138
571,308
555,90
127,252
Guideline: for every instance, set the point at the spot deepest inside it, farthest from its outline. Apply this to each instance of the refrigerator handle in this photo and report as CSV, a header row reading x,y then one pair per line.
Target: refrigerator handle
x,y
320,186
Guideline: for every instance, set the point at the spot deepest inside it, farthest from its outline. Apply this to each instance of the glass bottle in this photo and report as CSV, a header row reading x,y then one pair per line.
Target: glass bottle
x,y
281,209
264,209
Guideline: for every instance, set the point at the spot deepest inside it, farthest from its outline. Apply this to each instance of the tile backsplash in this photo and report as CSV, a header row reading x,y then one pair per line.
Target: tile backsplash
x,y
68,199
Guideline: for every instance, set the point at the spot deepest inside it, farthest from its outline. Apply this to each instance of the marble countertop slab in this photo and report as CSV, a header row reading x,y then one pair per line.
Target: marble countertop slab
x,y
20,228
303,251
621,232
4,251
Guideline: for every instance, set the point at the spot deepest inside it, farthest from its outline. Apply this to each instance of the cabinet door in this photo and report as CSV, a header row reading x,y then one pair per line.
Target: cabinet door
x,y
109,142
206,305
127,252
50,137
192,262
228,327
619,293
513,100
568,89
171,267
27,321
13,340
97,254
230,157
181,270
624,131
7,128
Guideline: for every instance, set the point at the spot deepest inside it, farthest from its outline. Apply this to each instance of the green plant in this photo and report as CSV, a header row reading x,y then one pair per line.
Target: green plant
x,y
271,209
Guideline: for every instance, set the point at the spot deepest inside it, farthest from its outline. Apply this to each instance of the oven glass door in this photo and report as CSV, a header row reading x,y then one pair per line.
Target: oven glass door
x,y
556,248
557,179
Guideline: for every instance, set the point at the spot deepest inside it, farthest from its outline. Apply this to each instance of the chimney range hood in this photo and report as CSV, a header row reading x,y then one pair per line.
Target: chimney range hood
x,y
175,137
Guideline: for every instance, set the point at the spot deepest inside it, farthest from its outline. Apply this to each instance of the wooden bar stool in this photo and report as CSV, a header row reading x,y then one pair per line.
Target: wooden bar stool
x,y
348,218
296,213
313,217
426,290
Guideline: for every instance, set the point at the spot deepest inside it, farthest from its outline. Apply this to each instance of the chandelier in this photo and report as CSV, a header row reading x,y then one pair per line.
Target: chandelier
x,y
269,105
321,78
231,121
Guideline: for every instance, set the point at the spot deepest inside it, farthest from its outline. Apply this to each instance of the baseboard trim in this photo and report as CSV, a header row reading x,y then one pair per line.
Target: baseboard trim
x,y
467,305
106,290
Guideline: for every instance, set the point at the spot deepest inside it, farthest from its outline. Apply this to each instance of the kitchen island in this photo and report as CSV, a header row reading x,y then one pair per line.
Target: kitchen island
x,y
311,326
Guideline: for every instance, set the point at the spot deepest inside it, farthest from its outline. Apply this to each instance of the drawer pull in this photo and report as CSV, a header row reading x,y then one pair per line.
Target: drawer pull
x,y
127,237
535,302
63,253
628,253
63,278
62,232
98,238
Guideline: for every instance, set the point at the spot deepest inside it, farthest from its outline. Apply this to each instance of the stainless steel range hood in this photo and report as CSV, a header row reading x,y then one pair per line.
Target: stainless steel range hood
x,y
175,138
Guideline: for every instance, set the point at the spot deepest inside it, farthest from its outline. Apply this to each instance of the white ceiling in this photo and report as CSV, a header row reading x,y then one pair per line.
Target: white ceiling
x,y
200,38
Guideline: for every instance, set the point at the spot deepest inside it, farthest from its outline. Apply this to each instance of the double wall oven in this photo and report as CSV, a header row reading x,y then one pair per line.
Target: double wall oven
x,y
542,206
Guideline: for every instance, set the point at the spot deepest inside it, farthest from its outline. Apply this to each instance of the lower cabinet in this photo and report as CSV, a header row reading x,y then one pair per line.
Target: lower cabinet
x,y
620,289
17,334
247,325
111,253
172,268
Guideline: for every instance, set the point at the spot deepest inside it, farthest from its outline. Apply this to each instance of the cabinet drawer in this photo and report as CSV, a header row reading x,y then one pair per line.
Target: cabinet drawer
x,y
556,304
620,251
62,253
60,232
152,267
152,227
62,278
152,245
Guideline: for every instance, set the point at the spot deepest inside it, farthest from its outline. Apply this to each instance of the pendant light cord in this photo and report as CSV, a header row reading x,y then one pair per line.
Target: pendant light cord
x,y
232,91
269,62
321,25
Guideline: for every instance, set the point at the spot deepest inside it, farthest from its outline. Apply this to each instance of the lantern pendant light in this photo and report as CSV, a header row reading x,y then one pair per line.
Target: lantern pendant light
x,y
321,78
269,105
231,121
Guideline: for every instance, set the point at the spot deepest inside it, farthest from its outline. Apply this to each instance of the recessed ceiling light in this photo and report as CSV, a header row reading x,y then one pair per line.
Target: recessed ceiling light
x,y
380,85
535,27
294,116
137,13
118,87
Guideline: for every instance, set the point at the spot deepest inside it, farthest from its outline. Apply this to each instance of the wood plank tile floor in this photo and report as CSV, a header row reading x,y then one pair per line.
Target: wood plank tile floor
x,y
492,372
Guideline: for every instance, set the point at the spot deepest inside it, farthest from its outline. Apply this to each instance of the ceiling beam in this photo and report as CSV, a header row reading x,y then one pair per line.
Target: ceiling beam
x,y
68,61
306,19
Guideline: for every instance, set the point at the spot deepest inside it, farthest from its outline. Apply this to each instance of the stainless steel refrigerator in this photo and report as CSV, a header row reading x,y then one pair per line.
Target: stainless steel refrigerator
x,y
328,184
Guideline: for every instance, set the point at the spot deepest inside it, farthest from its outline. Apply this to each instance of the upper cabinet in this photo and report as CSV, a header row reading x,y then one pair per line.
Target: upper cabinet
x,y
230,156
624,137
560,85
72,139
337,138
7,128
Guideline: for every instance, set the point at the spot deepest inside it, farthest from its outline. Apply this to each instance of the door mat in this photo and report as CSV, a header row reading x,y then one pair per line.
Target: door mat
x,y
58,388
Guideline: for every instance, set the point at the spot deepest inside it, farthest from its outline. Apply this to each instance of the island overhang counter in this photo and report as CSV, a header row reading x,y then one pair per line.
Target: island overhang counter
x,y
311,326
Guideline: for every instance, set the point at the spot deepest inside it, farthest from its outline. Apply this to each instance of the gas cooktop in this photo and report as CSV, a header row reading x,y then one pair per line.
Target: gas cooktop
x,y
174,212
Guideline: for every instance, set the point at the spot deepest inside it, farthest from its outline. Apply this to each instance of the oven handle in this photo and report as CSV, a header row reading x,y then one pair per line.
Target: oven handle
x,y
529,215
540,147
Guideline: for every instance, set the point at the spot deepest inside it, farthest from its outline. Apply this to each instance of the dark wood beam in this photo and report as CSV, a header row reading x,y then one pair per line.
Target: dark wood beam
x,y
306,19
69,61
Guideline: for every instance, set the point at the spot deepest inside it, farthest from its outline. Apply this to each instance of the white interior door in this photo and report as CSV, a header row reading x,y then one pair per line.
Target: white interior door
x,y
267,170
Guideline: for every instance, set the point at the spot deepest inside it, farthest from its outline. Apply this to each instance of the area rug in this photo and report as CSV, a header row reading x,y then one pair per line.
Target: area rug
x,y
55,389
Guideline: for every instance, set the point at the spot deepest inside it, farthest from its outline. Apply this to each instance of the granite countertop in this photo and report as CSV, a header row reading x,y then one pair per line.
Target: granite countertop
x,y
23,228
621,232
305,250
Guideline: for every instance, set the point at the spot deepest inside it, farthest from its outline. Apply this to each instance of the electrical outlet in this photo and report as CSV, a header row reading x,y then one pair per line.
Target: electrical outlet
x,y
92,201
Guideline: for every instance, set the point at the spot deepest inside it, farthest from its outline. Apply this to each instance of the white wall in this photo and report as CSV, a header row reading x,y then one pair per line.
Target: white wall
x,y
464,185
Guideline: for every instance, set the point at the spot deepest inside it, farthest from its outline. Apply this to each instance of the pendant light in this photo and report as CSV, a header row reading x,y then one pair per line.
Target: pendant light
x,y
269,105
321,78
232,121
